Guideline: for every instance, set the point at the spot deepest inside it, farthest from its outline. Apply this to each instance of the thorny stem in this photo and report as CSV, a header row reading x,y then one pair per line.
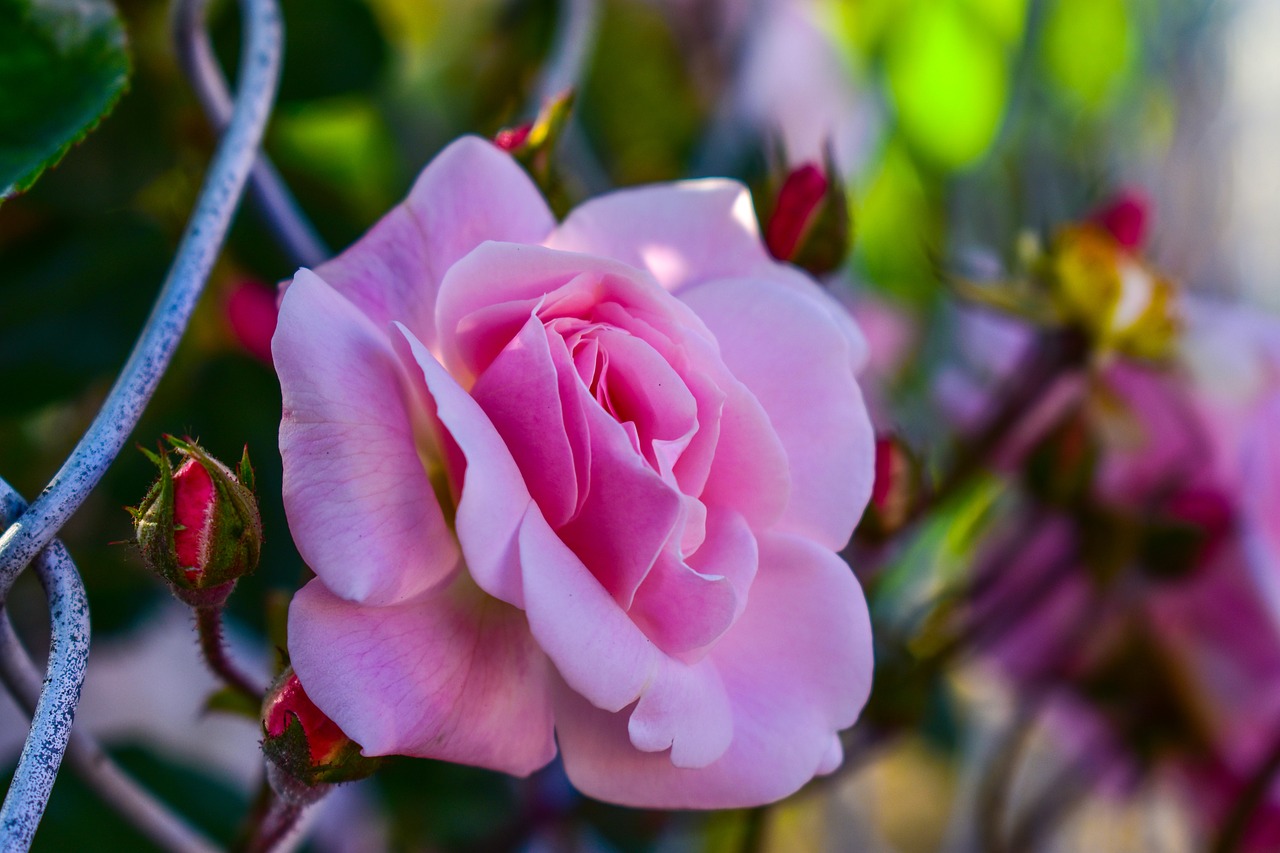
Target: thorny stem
x,y
209,629
271,822
201,243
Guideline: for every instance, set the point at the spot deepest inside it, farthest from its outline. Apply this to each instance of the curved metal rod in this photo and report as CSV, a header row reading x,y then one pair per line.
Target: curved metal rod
x,y
55,705
259,74
290,226
85,756
574,38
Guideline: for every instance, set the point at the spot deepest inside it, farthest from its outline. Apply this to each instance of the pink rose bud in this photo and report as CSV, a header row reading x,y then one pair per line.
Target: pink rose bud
x,y
512,138
1126,217
252,312
305,748
198,527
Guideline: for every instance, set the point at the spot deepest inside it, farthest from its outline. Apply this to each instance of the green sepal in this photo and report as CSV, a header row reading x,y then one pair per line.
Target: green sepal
x,y
290,752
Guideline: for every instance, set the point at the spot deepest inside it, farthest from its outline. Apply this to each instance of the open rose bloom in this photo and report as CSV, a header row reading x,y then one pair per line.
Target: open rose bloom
x,y
579,484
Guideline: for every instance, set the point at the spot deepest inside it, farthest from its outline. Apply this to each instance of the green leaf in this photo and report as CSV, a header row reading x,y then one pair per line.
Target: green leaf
x,y
228,700
63,66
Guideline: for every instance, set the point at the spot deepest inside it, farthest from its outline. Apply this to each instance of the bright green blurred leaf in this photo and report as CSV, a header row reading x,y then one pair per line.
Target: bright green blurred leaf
x,y
897,226
1088,45
949,81
1005,18
63,66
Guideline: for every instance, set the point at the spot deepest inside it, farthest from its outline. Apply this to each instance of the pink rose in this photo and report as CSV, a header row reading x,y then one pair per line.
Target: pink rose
x,y
579,483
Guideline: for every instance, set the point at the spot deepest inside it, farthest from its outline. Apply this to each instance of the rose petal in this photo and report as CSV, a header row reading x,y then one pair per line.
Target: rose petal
x,y
477,322
360,505
685,606
470,192
599,652
796,667
682,233
804,382
452,675
628,513
493,497
685,710
520,393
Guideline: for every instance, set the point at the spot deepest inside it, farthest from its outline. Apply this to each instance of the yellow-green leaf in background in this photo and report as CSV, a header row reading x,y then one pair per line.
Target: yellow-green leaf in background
x,y
1088,46
948,76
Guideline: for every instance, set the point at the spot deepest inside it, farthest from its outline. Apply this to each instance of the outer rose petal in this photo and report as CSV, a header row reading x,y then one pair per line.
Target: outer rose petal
x,y
683,233
452,675
805,383
470,192
796,667
360,505
494,499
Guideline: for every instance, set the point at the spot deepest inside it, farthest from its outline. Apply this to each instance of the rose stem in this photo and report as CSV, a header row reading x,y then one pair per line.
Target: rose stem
x,y
209,629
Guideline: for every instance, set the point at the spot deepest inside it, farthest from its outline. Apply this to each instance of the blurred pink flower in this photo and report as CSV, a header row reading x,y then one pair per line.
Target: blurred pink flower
x,y
1196,448
251,311
1127,217
587,478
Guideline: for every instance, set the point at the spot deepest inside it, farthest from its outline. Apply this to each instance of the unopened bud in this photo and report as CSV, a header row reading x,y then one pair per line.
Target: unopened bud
x,y
895,492
305,749
513,138
533,143
1126,218
809,224
198,527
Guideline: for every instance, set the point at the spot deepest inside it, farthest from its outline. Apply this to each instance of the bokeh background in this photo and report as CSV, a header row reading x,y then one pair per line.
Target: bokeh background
x,y
958,127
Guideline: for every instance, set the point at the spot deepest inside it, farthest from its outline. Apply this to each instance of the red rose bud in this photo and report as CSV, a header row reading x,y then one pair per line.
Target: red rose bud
x,y
1126,218
895,490
305,749
809,225
252,313
198,527
512,138
798,202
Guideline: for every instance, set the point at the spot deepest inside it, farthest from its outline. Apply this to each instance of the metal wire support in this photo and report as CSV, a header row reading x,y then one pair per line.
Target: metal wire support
x,y
34,776
290,226
29,539
55,707
259,76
